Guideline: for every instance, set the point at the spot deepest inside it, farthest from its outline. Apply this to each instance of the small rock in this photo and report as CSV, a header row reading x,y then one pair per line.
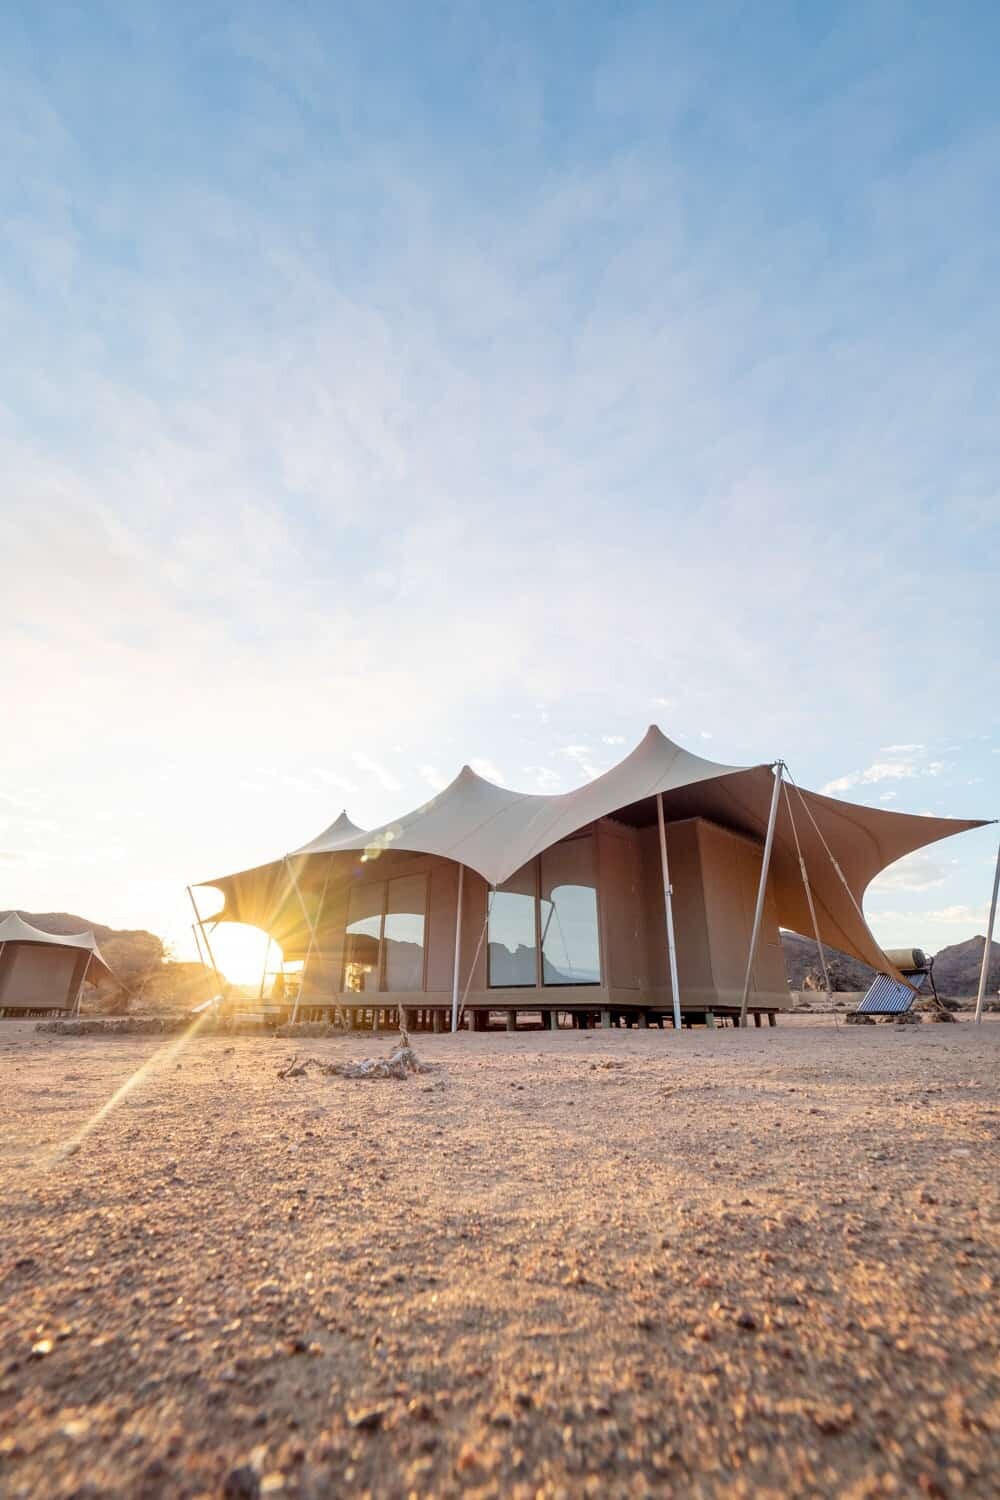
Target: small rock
x,y
367,1418
241,1484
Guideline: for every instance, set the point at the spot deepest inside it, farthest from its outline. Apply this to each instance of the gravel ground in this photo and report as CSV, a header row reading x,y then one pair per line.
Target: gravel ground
x,y
581,1264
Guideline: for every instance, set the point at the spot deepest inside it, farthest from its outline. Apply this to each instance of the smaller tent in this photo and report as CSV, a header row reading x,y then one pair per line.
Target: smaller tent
x,y
46,970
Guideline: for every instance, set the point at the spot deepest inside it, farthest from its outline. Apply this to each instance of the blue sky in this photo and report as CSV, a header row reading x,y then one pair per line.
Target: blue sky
x,y
391,386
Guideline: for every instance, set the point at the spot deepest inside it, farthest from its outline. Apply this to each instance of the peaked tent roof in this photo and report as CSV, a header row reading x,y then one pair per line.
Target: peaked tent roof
x,y
14,929
495,831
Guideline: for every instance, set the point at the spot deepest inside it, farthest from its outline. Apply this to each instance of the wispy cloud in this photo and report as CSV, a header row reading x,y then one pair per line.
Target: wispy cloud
x,y
581,756
334,779
384,777
917,872
905,767
544,777
434,778
959,915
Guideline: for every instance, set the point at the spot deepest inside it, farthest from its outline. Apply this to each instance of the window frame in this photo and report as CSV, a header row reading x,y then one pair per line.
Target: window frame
x,y
540,981
380,964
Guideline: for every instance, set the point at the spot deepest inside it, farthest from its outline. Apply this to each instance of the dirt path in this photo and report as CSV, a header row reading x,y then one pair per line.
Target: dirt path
x,y
592,1264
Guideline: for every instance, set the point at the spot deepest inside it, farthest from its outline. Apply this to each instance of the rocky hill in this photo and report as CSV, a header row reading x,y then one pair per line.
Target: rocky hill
x,y
956,968
803,969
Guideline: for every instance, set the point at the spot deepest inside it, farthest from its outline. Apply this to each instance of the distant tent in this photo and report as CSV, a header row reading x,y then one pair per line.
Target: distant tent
x,y
46,970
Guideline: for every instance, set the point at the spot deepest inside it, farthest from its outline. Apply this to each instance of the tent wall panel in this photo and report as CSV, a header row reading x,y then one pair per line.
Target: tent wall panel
x,y
621,906
439,931
38,977
730,866
474,905
694,962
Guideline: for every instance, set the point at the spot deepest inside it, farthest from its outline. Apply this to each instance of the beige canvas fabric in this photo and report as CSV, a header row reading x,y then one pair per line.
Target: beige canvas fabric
x,y
14,929
495,831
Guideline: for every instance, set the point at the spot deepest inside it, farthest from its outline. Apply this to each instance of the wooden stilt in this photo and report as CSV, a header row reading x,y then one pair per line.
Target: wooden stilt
x,y
512,1020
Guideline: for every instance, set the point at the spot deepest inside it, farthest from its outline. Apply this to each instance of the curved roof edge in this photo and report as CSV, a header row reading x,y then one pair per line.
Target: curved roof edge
x,y
495,830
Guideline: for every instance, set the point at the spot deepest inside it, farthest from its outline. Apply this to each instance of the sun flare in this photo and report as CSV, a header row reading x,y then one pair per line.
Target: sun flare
x,y
240,952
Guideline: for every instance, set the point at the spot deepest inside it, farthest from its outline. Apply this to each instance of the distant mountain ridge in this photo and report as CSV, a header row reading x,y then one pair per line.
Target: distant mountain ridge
x,y
956,967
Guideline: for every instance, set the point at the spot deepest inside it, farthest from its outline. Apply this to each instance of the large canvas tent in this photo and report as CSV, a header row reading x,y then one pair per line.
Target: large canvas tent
x,y
559,902
46,970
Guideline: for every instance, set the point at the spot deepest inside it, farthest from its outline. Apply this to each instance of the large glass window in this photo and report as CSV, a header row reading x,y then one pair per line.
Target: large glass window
x,y
385,934
555,899
404,933
571,951
363,937
512,931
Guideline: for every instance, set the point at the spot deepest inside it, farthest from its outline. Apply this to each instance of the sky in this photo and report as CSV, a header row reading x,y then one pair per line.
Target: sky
x,y
388,387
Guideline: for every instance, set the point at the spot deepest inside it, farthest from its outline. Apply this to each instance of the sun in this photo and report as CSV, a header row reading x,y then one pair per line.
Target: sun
x,y
240,951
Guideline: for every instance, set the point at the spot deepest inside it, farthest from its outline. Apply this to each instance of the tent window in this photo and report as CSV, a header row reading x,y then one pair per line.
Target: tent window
x,y
568,891
403,938
363,937
385,936
513,931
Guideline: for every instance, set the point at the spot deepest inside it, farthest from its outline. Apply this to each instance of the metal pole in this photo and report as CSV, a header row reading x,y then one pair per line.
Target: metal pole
x,y
984,971
765,865
79,988
204,934
197,944
668,901
809,898
458,950
312,928
263,972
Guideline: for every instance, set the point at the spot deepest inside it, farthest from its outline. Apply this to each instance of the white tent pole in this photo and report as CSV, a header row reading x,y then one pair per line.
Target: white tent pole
x,y
458,950
668,901
79,989
197,944
263,972
984,971
765,866
809,897
475,956
208,946
310,924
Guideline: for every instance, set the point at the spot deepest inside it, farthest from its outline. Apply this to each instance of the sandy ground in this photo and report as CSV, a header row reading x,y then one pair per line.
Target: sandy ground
x,y
588,1264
